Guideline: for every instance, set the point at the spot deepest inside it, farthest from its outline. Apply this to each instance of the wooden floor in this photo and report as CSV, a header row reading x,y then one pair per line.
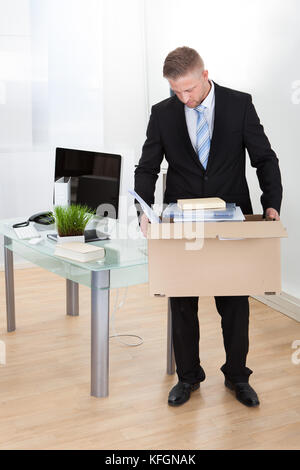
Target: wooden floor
x,y
45,398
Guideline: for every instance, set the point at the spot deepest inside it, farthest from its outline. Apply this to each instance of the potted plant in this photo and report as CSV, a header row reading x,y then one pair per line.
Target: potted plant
x,y
71,222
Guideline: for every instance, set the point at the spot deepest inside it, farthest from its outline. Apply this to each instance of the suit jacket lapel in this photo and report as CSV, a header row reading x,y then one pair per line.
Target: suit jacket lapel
x,y
221,111
184,133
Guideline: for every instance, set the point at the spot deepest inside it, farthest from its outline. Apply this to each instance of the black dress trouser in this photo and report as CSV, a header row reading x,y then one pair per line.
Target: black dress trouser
x,y
234,312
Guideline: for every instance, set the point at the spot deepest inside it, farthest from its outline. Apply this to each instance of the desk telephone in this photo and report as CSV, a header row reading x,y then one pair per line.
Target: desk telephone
x,y
43,218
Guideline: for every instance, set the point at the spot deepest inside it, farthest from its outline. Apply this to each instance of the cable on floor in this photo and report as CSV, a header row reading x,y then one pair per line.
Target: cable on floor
x,y
118,335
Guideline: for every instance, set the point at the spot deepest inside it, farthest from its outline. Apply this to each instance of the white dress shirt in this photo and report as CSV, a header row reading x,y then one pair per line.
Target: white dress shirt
x,y
191,115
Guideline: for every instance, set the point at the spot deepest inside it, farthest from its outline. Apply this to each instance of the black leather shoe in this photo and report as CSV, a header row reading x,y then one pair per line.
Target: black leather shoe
x,y
243,392
181,393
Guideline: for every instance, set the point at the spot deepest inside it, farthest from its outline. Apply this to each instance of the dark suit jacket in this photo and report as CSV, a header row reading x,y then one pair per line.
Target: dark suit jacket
x,y
236,128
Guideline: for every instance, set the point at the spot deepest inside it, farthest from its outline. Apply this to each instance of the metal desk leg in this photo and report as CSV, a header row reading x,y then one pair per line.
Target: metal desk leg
x,y
72,298
100,333
9,286
170,349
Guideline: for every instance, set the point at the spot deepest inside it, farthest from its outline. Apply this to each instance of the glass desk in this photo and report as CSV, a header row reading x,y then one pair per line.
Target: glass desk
x,y
125,264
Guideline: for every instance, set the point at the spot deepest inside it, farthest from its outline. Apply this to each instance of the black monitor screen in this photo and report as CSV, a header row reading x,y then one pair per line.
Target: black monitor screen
x,y
95,178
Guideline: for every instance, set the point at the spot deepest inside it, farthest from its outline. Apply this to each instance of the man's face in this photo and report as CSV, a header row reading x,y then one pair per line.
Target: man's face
x,y
192,88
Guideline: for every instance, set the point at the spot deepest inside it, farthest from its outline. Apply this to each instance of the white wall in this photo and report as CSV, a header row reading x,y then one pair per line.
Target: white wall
x,y
84,73
124,75
73,75
51,94
251,46
15,100
16,163
125,113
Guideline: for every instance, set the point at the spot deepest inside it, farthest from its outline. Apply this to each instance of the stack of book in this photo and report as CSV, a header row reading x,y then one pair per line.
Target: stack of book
x,y
79,251
205,209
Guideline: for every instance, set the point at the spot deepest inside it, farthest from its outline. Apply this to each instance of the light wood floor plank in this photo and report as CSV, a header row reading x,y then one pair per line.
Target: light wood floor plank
x,y
45,398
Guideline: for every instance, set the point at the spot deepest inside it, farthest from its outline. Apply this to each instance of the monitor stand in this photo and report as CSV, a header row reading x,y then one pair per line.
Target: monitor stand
x,y
92,235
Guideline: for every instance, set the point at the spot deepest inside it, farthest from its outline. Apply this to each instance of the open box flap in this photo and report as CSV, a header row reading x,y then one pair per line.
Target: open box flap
x,y
253,227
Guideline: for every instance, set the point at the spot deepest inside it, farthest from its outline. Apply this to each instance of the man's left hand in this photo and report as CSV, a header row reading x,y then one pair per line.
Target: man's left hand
x,y
272,214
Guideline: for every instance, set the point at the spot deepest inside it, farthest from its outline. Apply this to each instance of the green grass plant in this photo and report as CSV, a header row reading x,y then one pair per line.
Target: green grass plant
x,y
72,220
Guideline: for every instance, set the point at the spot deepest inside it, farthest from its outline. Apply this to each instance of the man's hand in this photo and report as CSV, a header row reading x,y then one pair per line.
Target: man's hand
x,y
144,225
272,214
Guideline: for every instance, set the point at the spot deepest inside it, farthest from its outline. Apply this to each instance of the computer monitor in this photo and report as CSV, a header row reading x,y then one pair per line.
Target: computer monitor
x,y
94,178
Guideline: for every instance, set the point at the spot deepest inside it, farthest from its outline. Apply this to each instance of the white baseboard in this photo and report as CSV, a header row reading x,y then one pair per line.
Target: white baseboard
x,y
284,303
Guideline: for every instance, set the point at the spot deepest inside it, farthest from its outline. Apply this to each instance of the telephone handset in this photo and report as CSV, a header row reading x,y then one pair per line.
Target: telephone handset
x,y
43,218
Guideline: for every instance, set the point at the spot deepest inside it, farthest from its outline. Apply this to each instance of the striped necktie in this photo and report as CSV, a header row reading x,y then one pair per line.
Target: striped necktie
x,y
202,136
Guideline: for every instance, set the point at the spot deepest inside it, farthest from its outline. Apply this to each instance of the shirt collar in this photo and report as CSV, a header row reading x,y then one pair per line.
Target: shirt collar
x,y
208,100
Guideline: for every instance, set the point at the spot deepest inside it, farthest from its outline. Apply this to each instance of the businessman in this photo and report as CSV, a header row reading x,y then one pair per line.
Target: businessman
x,y
203,132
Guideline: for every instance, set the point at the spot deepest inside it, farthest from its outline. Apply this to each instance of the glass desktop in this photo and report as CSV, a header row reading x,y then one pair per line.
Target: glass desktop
x,y
125,258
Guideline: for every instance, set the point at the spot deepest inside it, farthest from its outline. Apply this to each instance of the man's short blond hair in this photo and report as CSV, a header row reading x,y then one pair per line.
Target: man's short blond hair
x,y
182,61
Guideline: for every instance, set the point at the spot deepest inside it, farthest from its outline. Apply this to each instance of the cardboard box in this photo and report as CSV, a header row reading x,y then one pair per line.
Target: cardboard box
x,y
215,258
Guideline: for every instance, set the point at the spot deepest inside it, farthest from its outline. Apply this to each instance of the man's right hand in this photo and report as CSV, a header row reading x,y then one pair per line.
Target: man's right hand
x,y
144,225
